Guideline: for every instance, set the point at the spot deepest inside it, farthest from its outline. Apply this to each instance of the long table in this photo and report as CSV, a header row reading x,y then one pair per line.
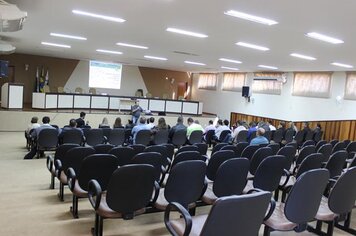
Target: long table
x,y
108,102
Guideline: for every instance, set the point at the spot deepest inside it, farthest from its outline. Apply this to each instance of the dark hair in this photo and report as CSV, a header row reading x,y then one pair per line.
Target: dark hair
x,y
142,120
130,121
252,124
117,122
45,120
72,123
180,119
152,119
82,114
162,123
190,120
210,122
239,122
220,122
34,120
226,122
318,125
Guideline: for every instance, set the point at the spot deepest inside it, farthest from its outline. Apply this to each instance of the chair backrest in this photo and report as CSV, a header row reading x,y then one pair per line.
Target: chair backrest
x,y
223,135
106,131
258,157
161,137
230,147
278,135
353,162
293,144
130,188
99,167
318,136
74,157
161,150
94,136
185,183
103,148
187,148
138,148
326,150
338,147
170,150
242,136
143,137
288,137
304,152
249,151
218,147
150,158
179,137
252,136
289,153
187,156
268,135
308,143
343,195
127,135
202,147
319,144
336,163
275,147
309,135
299,137
63,149
269,172
196,137
240,147
47,138
92,90
72,136
237,215
209,136
351,149
116,137
231,177
78,90
124,155
333,142
216,160
311,162
347,142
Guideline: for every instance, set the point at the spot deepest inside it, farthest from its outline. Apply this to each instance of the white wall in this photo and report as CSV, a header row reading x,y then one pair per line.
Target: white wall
x,y
284,106
131,80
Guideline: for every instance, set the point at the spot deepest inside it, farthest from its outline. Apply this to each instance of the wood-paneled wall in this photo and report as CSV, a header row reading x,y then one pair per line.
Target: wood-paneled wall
x,y
336,129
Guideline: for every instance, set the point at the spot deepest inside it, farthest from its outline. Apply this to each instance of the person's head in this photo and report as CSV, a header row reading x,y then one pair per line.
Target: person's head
x,y
190,120
196,122
226,122
260,132
252,124
306,124
142,120
318,125
162,123
260,124
130,122
220,122
82,115
117,122
45,120
72,123
239,122
282,124
152,119
270,122
210,122
291,124
34,120
105,121
180,120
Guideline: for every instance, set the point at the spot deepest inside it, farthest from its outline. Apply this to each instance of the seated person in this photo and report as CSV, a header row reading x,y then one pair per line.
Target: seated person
x,y
72,126
118,124
193,126
129,125
221,127
260,139
151,122
80,121
160,126
104,123
178,126
240,127
252,129
140,126
34,124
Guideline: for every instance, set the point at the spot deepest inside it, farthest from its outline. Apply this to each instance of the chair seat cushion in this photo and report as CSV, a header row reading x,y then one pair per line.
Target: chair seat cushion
x,y
278,220
105,211
209,197
161,202
63,178
197,225
78,191
324,213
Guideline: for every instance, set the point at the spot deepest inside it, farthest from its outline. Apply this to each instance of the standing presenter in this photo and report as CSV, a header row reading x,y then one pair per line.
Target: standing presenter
x,y
136,112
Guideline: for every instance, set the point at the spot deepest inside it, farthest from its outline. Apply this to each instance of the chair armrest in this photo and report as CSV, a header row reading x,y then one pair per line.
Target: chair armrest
x,y
71,176
156,191
187,218
254,190
205,158
272,206
50,162
59,168
204,188
288,174
94,193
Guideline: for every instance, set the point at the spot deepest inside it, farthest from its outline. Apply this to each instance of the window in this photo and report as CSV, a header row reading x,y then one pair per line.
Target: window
x,y
233,81
207,81
312,84
266,85
350,87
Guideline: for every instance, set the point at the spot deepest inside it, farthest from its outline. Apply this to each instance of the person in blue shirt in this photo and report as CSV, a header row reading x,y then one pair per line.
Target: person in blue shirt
x,y
140,126
260,139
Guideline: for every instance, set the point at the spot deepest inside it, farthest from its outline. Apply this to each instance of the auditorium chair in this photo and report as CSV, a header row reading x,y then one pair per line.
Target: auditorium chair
x,y
187,156
186,148
218,147
119,200
303,153
326,150
195,137
223,135
299,138
230,147
258,157
216,160
94,136
293,144
288,137
143,137
289,153
249,151
99,167
351,149
161,150
127,135
106,131
318,136
309,135
347,142
336,163
333,142
301,205
308,143
233,215
252,136
138,148
170,150
319,144
116,137
338,147
275,147
202,148
240,147
154,159
123,154
278,136
103,148
72,136
47,140
160,137
268,135
179,137
241,136
209,137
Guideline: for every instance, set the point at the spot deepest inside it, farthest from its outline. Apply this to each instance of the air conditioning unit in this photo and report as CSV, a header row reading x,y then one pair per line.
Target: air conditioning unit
x,y
11,17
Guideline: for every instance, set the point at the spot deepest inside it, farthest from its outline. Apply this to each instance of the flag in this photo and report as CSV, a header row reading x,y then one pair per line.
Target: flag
x,y
42,80
47,78
37,88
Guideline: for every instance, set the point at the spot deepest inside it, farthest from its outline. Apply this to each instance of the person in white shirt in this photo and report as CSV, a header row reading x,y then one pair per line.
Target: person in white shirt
x,y
271,127
210,126
34,124
239,127
221,127
151,122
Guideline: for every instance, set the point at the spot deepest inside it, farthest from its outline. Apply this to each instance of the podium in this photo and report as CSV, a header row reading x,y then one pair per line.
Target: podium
x,y
12,96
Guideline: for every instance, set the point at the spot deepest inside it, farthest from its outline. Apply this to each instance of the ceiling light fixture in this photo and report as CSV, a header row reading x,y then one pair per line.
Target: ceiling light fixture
x,y
303,56
229,68
55,45
194,63
185,32
230,60
324,38
249,17
132,45
108,51
253,46
268,67
103,17
156,58
67,36
341,65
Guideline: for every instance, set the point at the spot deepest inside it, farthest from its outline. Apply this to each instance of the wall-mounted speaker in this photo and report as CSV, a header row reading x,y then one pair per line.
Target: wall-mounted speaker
x,y
245,91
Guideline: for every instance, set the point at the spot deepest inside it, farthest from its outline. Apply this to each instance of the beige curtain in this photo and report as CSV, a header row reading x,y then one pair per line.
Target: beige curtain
x,y
233,81
207,81
350,87
267,86
312,84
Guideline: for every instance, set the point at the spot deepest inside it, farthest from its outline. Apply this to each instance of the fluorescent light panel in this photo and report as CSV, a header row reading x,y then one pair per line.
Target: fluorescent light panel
x,y
194,63
67,36
249,17
132,45
185,32
324,38
253,46
229,68
303,56
103,17
341,65
230,60
156,58
55,45
108,51
268,67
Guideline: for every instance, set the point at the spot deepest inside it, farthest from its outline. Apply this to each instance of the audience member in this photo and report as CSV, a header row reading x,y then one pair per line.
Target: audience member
x,y
160,126
210,126
140,126
193,126
239,127
293,127
118,124
80,121
34,124
252,129
317,128
305,129
263,125
136,112
72,125
151,122
260,139
178,126
271,126
221,126
129,124
104,123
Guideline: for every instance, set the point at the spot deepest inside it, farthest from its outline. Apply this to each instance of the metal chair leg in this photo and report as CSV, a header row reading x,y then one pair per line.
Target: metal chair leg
x,y
52,182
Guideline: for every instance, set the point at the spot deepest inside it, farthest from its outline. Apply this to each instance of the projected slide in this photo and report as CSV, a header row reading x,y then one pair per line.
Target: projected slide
x,y
104,75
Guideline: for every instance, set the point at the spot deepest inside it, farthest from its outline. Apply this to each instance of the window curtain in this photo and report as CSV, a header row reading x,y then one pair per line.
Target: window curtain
x,y
314,84
267,86
233,81
350,86
207,81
